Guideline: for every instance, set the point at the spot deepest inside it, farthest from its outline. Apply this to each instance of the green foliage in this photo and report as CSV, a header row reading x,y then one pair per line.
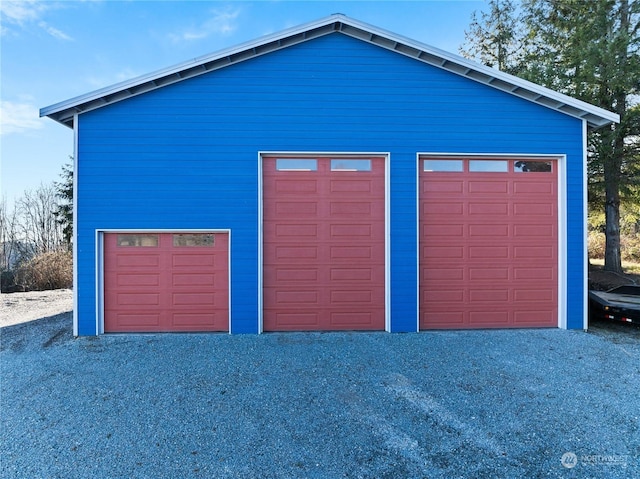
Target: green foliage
x,y
496,40
64,210
591,51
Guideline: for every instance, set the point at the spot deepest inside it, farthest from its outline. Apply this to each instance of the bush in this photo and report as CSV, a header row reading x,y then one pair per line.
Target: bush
x,y
596,244
629,246
53,270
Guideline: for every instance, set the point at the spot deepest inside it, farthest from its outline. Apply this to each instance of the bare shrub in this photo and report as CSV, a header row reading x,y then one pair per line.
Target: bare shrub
x,y
596,244
50,270
630,248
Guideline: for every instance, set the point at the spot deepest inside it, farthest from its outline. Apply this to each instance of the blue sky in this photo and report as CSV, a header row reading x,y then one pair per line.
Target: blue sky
x,y
55,50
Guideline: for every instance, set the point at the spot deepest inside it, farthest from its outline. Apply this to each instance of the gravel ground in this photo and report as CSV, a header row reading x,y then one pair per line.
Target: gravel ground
x,y
504,404
21,307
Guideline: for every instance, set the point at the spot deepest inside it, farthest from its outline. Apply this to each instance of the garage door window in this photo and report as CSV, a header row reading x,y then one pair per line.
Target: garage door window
x,y
488,166
294,164
350,165
202,240
443,165
532,167
135,240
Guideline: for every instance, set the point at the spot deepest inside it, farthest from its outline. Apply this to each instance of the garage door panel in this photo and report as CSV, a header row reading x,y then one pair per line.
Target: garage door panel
x,y
443,273
195,321
441,208
180,276
351,187
528,231
137,322
493,255
295,231
301,321
542,295
446,231
348,319
443,318
335,238
133,280
137,261
295,210
529,316
484,231
488,209
441,252
443,186
529,209
533,188
533,273
296,187
489,318
488,273
490,187
294,275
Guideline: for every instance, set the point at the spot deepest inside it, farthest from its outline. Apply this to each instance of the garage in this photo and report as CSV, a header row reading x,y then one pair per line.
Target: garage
x,y
324,243
157,282
371,182
488,242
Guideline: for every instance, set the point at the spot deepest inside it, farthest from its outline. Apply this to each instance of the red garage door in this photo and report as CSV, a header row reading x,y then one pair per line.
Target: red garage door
x,y
166,282
324,244
489,243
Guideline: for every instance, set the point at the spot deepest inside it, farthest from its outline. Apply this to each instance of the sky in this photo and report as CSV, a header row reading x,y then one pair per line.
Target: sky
x,y
55,50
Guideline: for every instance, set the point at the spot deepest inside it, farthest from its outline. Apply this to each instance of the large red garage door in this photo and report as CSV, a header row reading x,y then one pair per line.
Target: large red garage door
x,y
488,243
324,244
166,282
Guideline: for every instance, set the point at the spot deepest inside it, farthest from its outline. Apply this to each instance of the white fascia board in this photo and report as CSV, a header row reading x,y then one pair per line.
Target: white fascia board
x,y
492,73
596,116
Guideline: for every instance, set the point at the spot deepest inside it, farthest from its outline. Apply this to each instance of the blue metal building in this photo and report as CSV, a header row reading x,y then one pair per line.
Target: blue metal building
x,y
331,176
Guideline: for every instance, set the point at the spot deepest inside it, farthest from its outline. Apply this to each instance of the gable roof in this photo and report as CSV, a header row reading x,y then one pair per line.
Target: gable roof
x,y
596,117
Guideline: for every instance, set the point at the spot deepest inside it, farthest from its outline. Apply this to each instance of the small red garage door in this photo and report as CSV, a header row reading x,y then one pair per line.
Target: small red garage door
x,y
166,282
489,243
324,244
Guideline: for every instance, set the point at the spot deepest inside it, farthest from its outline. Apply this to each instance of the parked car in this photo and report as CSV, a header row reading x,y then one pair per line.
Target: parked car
x,y
619,304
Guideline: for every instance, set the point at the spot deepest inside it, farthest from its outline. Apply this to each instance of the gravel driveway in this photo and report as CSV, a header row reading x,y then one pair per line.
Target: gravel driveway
x,y
504,404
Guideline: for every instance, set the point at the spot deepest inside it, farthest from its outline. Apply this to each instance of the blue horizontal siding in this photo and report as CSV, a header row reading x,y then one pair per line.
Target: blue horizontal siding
x,y
186,155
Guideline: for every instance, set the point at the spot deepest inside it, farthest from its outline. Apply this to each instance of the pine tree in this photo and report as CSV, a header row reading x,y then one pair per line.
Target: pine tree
x,y
589,50
64,210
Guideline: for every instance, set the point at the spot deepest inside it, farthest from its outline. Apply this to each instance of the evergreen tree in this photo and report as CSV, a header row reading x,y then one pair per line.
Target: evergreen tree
x,y
589,50
496,40
64,210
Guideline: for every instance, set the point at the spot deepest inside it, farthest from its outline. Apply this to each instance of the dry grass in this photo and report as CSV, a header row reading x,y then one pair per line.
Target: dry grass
x,y
629,267
53,270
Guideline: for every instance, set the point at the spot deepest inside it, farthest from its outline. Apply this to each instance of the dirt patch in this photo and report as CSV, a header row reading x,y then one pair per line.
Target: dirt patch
x,y
601,280
22,307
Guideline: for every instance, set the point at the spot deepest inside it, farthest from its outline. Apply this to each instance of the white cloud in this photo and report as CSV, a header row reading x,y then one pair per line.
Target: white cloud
x,y
18,117
54,32
221,22
22,13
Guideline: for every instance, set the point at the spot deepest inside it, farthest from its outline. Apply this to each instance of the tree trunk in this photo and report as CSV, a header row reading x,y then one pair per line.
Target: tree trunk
x,y
612,259
612,163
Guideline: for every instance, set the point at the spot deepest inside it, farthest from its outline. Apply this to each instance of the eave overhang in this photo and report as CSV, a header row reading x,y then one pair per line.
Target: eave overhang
x,y
596,117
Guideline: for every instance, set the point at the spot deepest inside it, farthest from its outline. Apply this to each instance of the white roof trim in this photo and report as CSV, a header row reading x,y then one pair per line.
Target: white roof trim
x,y
596,117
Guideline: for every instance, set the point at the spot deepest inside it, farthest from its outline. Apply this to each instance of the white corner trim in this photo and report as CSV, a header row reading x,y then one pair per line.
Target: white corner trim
x,y
585,212
74,216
